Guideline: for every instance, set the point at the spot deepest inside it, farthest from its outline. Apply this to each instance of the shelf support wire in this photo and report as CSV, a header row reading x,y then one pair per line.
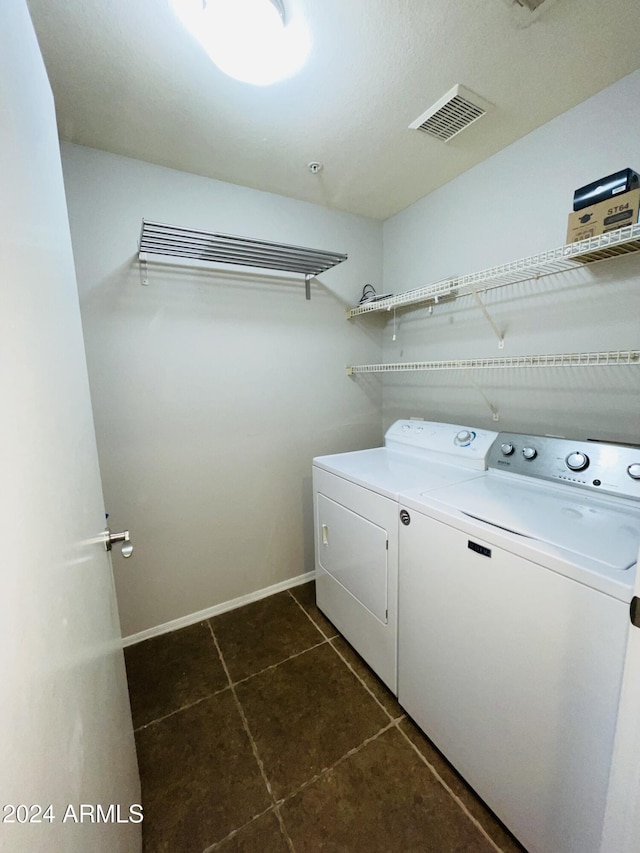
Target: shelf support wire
x,y
494,411
488,318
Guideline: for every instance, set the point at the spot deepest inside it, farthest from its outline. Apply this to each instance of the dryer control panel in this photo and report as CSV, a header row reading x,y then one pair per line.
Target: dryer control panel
x,y
595,465
449,443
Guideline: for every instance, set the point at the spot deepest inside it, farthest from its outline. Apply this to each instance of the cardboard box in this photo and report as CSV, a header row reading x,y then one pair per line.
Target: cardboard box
x,y
606,216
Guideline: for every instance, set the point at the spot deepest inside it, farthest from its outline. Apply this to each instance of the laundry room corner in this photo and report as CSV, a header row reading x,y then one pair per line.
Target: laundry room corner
x,y
212,391
506,211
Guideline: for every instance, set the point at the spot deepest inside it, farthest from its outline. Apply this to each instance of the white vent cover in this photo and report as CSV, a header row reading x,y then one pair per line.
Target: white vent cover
x,y
452,113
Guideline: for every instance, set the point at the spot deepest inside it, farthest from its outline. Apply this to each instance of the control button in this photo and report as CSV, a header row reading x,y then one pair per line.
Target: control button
x,y
529,453
507,449
634,471
577,461
405,427
464,438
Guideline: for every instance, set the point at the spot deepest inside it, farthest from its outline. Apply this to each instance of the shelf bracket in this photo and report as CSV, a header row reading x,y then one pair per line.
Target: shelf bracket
x,y
144,272
307,286
489,319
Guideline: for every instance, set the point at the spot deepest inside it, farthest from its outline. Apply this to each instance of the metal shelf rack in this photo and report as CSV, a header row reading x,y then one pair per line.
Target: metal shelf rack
x,y
571,256
177,242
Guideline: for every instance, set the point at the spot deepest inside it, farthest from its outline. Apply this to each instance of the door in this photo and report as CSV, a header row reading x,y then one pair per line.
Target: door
x,y
68,772
354,551
356,539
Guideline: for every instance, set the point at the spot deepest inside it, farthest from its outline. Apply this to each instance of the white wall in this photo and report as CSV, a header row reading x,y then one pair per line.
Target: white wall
x,y
513,205
212,392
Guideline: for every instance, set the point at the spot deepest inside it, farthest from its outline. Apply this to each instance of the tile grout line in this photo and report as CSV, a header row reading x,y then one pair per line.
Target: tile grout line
x,y
339,761
217,844
316,626
365,685
254,746
276,665
453,796
181,708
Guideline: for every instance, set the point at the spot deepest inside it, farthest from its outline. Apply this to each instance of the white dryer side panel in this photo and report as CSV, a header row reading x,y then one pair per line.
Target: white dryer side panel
x,y
356,545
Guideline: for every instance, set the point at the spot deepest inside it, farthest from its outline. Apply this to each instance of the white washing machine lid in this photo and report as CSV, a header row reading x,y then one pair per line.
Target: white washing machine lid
x,y
597,532
389,472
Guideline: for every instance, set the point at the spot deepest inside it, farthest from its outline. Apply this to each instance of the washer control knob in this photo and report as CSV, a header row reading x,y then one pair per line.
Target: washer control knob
x,y
634,471
464,438
507,449
577,461
529,453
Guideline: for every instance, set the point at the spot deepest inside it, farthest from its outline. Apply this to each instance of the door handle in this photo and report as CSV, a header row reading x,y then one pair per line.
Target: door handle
x,y
112,538
325,534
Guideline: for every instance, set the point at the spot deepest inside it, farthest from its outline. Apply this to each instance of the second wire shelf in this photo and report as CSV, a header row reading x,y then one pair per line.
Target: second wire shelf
x,y
573,359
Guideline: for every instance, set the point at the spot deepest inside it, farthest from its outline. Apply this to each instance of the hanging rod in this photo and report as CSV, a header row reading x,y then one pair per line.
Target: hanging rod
x,y
573,359
571,256
177,242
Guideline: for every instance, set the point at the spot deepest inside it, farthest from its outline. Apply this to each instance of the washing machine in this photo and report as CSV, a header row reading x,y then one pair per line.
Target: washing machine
x,y
355,498
514,611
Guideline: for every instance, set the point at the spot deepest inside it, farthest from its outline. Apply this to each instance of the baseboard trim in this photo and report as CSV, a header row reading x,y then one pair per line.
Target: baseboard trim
x,y
216,610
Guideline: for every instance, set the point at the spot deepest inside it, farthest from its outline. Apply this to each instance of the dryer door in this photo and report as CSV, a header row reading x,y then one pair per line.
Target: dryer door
x,y
354,551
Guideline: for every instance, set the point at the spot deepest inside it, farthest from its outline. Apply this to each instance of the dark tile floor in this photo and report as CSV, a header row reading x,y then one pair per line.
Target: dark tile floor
x,y
261,731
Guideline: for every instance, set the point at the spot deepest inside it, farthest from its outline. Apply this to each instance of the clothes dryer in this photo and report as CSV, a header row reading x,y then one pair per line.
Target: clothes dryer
x,y
356,526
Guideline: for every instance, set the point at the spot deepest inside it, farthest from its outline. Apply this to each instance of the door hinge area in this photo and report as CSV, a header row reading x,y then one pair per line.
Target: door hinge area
x,y
634,611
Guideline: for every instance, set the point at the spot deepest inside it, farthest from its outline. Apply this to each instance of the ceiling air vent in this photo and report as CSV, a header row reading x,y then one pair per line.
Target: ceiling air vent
x,y
452,113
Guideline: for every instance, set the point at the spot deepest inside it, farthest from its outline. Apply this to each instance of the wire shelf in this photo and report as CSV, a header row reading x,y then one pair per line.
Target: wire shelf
x,y
573,359
571,256
174,241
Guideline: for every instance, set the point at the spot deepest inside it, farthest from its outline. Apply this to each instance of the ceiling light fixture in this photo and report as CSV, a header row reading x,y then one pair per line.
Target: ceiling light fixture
x,y
254,41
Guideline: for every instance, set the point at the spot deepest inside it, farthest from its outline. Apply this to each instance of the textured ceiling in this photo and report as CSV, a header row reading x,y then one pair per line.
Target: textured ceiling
x,y
128,79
